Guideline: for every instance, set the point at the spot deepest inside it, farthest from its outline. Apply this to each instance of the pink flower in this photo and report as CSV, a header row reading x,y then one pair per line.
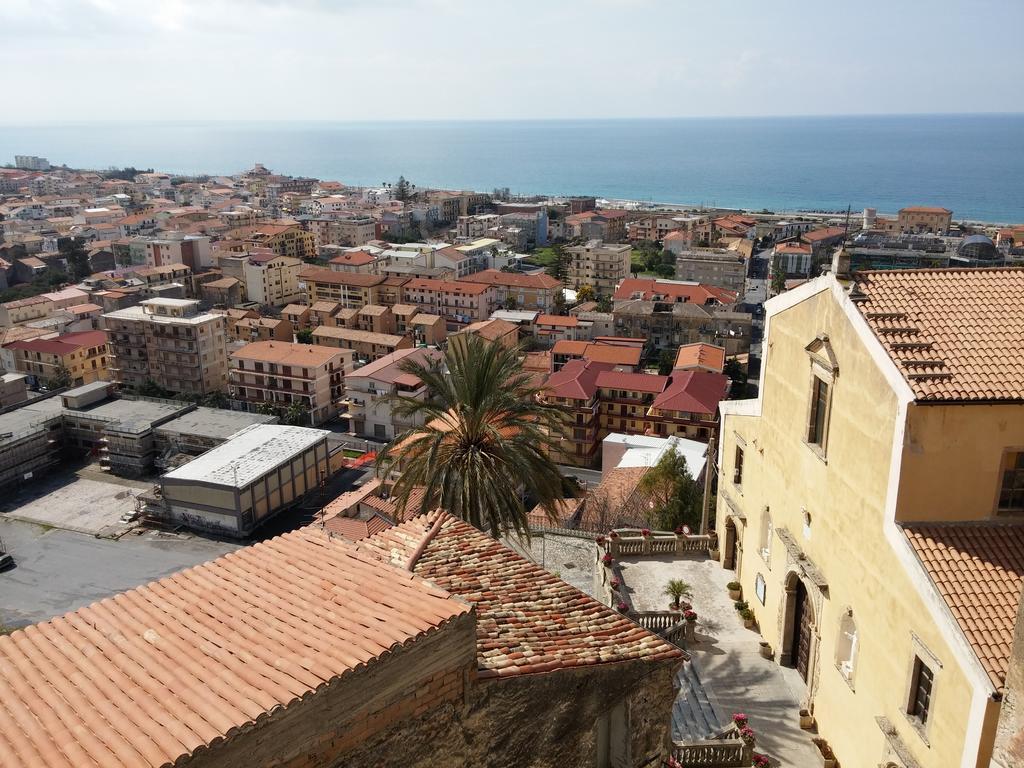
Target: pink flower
x,y
747,733
759,761
645,532
600,539
740,719
607,559
616,583
690,615
614,535
623,607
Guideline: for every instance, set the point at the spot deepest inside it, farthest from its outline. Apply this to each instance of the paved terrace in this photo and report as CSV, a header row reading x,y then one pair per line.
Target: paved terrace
x,y
733,677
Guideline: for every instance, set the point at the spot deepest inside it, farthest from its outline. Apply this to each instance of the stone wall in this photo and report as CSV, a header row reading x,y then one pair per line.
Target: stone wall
x,y
1009,747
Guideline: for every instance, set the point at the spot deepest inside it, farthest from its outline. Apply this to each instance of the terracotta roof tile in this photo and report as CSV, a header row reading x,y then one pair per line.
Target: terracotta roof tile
x,y
978,570
149,676
955,334
673,290
528,620
693,392
700,355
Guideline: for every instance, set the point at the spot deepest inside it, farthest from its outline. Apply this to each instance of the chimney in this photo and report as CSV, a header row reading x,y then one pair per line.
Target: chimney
x,y
841,264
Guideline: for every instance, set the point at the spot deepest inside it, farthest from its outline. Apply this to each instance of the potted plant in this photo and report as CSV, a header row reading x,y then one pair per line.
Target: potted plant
x,y
806,719
623,606
645,532
677,589
599,540
747,734
740,606
615,583
748,618
740,720
607,559
760,761
766,649
613,535
826,753
689,629
735,590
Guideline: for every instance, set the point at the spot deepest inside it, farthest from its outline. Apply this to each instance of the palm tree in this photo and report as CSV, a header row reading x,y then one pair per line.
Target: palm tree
x,y
678,590
483,447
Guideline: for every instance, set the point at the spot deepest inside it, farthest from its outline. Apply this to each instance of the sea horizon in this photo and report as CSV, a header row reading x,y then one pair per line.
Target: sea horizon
x,y
968,162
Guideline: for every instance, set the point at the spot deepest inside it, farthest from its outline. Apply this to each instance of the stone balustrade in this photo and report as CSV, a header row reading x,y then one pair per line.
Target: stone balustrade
x,y
719,753
630,542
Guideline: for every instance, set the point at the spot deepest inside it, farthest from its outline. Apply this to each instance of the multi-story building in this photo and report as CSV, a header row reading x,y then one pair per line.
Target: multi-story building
x,y
924,218
597,264
870,499
80,357
357,230
458,302
371,389
722,267
282,238
530,292
366,345
574,388
169,248
269,279
350,289
279,374
171,343
354,261
793,258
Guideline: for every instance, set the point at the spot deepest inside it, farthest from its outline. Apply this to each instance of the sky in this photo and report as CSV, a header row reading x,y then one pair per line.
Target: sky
x,y
102,60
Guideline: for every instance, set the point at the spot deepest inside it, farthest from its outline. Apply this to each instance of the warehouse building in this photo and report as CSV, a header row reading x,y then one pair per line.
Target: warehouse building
x,y
239,485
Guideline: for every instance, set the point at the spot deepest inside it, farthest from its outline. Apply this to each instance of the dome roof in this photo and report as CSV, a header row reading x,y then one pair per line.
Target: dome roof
x,y
978,247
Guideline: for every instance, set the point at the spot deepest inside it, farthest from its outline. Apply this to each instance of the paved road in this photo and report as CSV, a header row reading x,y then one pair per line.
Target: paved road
x,y
58,571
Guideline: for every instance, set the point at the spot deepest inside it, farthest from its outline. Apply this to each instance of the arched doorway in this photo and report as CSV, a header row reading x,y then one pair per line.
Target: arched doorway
x,y
729,551
798,630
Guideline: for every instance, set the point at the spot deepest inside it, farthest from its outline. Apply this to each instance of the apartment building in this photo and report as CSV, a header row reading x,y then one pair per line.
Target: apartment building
x,y
171,343
249,329
793,258
168,248
458,302
870,501
267,278
284,239
354,261
369,393
721,267
71,359
366,345
529,292
597,264
349,289
924,218
280,374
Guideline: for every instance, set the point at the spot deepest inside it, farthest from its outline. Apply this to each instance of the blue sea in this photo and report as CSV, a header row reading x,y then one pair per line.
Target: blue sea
x,y
972,164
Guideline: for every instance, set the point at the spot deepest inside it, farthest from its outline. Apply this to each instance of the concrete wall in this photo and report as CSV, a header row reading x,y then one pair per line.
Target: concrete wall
x,y
1009,749
844,495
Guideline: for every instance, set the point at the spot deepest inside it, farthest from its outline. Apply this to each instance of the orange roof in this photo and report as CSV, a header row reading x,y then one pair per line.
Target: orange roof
x,y
700,355
446,286
793,247
287,353
576,380
631,382
611,353
693,392
570,347
153,675
672,290
955,334
492,330
354,528
329,276
560,321
977,568
539,281
825,233
528,620
925,209
355,258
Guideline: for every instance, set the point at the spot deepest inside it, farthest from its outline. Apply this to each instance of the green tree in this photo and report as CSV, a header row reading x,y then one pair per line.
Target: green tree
x,y
402,189
61,378
483,449
216,399
666,362
676,497
304,336
778,277
558,304
604,303
267,408
150,388
511,302
77,258
557,268
296,414
585,293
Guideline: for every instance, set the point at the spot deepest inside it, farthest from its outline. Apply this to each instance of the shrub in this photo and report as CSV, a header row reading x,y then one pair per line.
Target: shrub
x,y
740,719
690,615
746,614
741,605
732,586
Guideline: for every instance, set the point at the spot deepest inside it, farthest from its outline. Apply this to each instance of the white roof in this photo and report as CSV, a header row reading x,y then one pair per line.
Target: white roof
x,y
514,315
644,451
248,455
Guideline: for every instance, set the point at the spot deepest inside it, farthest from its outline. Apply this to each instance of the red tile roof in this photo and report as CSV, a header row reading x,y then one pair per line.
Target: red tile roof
x,y
354,528
978,570
446,286
559,321
577,379
329,276
539,281
955,334
150,676
528,620
925,209
825,233
693,392
354,258
62,345
631,382
673,290
700,355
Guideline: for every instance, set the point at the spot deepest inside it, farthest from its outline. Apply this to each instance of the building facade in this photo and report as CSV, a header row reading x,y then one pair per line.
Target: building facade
x,y
597,264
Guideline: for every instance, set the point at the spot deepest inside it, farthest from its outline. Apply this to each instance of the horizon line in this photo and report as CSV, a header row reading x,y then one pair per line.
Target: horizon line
x,y
413,120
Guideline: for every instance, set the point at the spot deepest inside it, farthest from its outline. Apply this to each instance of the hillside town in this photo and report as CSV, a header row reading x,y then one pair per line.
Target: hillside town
x,y
787,528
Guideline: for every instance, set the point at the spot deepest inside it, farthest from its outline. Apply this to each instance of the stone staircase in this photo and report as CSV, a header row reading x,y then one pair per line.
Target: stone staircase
x,y
693,715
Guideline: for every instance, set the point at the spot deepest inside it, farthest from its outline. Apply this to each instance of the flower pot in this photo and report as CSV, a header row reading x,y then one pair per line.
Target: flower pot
x,y
806,720
766,650
748,623
735,594
713,554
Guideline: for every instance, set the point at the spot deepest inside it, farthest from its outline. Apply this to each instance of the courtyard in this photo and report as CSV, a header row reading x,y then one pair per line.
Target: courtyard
x,y
727,673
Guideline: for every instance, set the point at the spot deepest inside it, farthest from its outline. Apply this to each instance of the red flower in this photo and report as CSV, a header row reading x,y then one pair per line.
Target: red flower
x,y
616,583
607,559
600,539
759,761
740,719
690,615
623,607
614,535
645,532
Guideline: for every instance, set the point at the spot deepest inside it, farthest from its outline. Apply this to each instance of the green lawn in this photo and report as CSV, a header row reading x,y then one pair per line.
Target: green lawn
x,y
543,257
351,454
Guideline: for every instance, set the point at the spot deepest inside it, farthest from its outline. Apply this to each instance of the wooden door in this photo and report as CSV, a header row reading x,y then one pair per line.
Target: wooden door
x,y
803,618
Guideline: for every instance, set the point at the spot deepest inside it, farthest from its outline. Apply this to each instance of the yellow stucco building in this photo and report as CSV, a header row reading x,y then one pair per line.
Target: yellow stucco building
x,y
870,502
